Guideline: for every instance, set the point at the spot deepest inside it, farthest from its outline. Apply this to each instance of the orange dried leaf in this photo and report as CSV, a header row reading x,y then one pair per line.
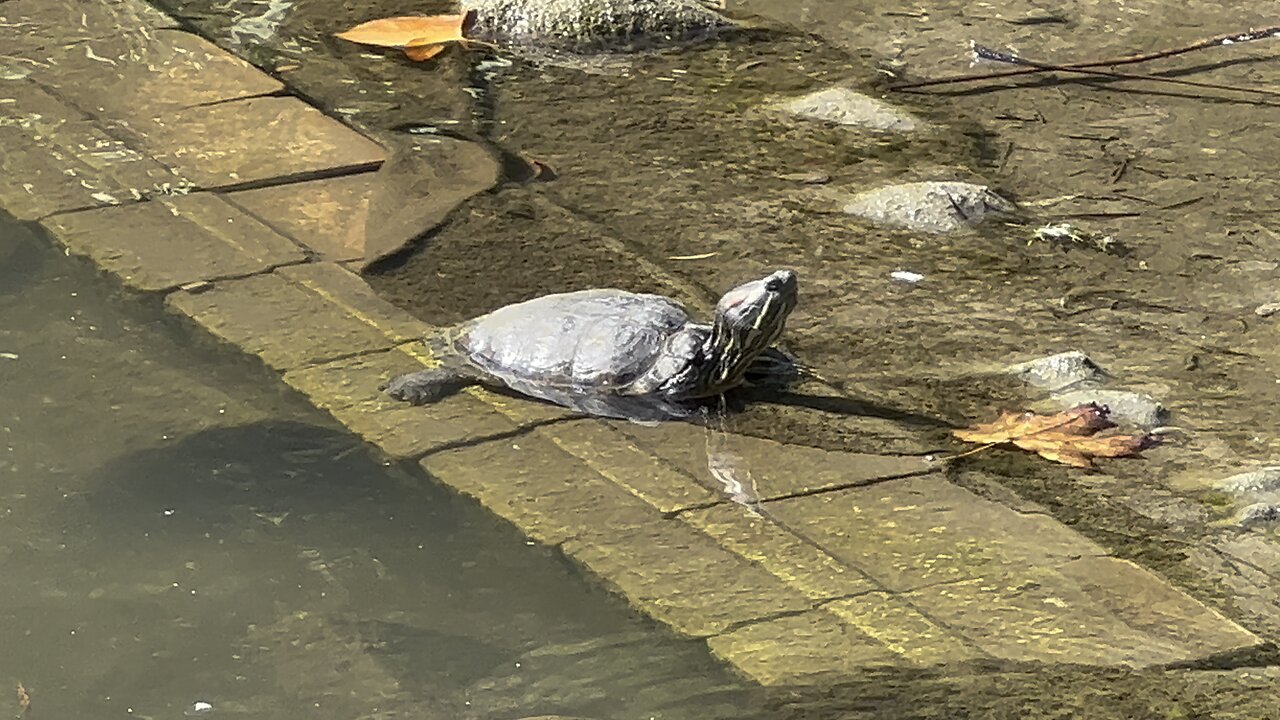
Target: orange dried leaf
x,y
1068,437
1055,451
418,53
404,32
1079,420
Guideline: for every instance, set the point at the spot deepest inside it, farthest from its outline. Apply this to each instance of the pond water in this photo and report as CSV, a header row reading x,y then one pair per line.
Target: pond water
x,y
189,531
176,527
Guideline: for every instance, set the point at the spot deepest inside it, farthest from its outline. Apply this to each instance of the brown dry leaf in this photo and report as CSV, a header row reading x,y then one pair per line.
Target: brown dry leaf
x,y
425,34
1080,420
418,53
1067,437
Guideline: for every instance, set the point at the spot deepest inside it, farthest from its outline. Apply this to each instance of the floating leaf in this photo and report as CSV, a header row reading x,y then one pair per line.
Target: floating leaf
x,y
1068,437
422,37
418,53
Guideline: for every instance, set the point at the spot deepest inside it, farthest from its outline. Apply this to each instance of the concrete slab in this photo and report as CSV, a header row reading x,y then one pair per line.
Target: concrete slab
x,y
778,469
370,216
659,484
251,140
809,648
904,629
40,23
679,576
345,289
1094,611
664,567
55,159
128,78
918,531
204,238
348,390
328,216
287,324
783,553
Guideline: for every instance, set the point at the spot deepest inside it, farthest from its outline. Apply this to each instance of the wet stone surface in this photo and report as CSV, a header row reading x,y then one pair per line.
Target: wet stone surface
x,y
931,207
206,238
582,25
849,108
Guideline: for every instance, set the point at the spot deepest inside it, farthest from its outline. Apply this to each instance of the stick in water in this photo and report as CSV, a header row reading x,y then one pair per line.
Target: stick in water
x,y
986,53
1219,41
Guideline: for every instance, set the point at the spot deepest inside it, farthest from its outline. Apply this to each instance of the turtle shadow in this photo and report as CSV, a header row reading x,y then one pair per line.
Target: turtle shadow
x,y
833,404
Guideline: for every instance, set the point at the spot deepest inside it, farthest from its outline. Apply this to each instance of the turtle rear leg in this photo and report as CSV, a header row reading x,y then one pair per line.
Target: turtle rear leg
x,y
427,386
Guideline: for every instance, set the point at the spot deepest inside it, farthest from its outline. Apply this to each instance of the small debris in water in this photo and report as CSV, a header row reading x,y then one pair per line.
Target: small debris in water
x,y
906,276
700,256
24,699
1067,234
808,178
199,707
1267,309
197,287
8,356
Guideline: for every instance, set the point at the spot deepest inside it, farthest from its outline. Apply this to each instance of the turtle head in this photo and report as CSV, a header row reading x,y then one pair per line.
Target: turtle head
x,y
749,318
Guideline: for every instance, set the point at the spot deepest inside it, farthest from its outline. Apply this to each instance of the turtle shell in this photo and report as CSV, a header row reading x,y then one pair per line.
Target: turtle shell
x,y
592,342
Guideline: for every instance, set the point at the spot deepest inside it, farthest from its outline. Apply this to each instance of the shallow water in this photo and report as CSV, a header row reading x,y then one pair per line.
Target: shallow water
x,y
178,527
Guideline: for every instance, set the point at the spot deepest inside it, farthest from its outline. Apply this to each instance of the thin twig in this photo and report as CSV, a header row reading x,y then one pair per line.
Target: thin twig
x,y
967,453
1218,41
987,53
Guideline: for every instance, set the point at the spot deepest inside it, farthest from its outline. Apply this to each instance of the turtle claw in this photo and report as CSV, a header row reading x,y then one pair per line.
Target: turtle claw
x,y
424,387
408,388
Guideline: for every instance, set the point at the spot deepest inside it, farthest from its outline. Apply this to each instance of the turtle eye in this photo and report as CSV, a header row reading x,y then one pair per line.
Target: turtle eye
x,y
773,285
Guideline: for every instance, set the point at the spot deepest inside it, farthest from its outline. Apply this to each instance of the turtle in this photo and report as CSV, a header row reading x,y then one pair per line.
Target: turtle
x,y
611,353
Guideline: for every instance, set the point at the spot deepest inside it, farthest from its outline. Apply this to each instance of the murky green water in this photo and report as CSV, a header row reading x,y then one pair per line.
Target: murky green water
x,y
177,527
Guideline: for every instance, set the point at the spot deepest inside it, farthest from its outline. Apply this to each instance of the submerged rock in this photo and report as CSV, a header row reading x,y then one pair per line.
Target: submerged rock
x,y
592,25
843,106
1265,480
1058,372
1267,309
1263,513
929,207
1127,407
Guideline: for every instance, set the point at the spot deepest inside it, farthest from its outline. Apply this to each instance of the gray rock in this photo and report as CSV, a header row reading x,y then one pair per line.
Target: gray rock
x,y
930,207
1058,372
1267,309
1253,483
591,25
1127,407
1263,513
843,106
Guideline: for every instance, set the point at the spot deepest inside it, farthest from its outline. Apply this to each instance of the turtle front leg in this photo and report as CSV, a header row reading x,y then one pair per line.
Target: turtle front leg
x,y
774,368
427,386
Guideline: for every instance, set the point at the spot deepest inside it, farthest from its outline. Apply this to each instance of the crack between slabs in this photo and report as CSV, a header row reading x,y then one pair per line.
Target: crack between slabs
x,y
518,431
274,181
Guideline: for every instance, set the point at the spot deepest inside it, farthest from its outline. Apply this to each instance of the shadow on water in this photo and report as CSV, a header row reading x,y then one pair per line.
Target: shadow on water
x,y
22,256
285,554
